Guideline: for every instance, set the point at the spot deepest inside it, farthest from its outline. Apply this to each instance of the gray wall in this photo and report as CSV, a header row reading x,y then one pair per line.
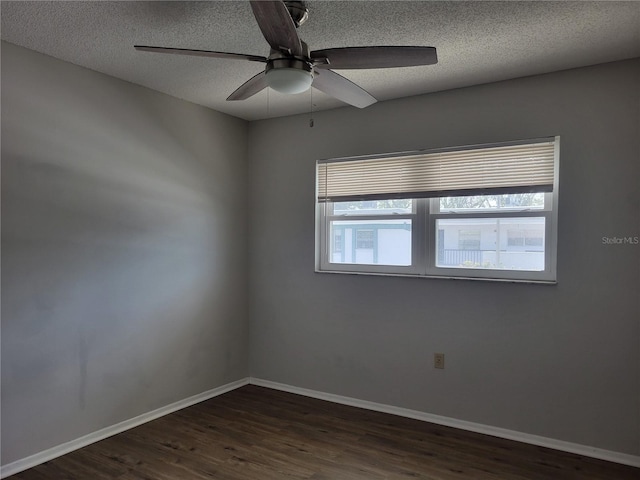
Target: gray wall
x,y
123,251
558,361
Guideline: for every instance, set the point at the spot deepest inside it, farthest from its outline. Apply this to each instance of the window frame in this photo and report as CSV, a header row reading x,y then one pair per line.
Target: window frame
x,y
424,235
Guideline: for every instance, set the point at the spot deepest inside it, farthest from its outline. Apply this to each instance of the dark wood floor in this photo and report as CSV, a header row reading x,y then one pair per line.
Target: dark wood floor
x,y
259,433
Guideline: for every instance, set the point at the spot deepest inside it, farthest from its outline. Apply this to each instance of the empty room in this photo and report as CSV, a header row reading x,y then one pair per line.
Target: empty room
x,y
323,240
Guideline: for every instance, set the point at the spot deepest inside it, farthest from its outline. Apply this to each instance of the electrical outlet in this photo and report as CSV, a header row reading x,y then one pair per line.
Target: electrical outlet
x,y
438,360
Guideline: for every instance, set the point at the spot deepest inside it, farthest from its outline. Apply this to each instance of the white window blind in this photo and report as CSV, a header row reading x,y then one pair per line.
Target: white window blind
x,y
484,170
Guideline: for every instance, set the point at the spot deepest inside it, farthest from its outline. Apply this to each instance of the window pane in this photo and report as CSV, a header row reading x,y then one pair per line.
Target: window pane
x,y
366,242
374,207
491,243
514,201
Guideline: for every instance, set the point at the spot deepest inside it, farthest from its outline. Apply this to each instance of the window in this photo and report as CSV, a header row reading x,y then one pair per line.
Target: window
x,y
468,239
337,240
485,212
515,238
525,238
364,239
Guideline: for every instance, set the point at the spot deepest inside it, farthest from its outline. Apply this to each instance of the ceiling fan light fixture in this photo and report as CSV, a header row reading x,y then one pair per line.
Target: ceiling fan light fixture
x,y
289,76
289,80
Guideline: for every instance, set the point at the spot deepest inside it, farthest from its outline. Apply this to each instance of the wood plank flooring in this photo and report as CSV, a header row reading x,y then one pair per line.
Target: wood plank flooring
x,y
260,433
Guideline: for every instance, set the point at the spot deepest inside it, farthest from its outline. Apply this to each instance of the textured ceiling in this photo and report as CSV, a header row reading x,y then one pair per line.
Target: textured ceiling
x,y
477,42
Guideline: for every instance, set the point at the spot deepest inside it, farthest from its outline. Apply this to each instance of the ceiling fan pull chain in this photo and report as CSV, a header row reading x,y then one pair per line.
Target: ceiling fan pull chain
x,y
310,107
268,102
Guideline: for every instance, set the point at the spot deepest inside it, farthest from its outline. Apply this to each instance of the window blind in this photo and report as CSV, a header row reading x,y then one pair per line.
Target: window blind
x,y
487,170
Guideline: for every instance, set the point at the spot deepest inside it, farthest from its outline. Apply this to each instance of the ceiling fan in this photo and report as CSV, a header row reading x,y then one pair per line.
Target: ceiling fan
x,y
292,68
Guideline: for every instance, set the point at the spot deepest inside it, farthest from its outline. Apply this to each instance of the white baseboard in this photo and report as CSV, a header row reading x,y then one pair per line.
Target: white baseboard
x,y
587,451
59,450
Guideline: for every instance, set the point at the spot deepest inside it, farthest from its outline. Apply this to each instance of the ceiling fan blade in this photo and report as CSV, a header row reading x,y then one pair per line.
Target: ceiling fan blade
x,y
200,53
277,26
374,57
250,87
342,88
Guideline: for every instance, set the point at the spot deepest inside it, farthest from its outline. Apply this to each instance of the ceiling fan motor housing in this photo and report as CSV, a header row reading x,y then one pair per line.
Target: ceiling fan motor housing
x,y
298,11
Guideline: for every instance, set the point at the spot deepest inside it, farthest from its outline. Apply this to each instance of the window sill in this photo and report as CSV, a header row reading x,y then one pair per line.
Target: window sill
x,y
443,277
